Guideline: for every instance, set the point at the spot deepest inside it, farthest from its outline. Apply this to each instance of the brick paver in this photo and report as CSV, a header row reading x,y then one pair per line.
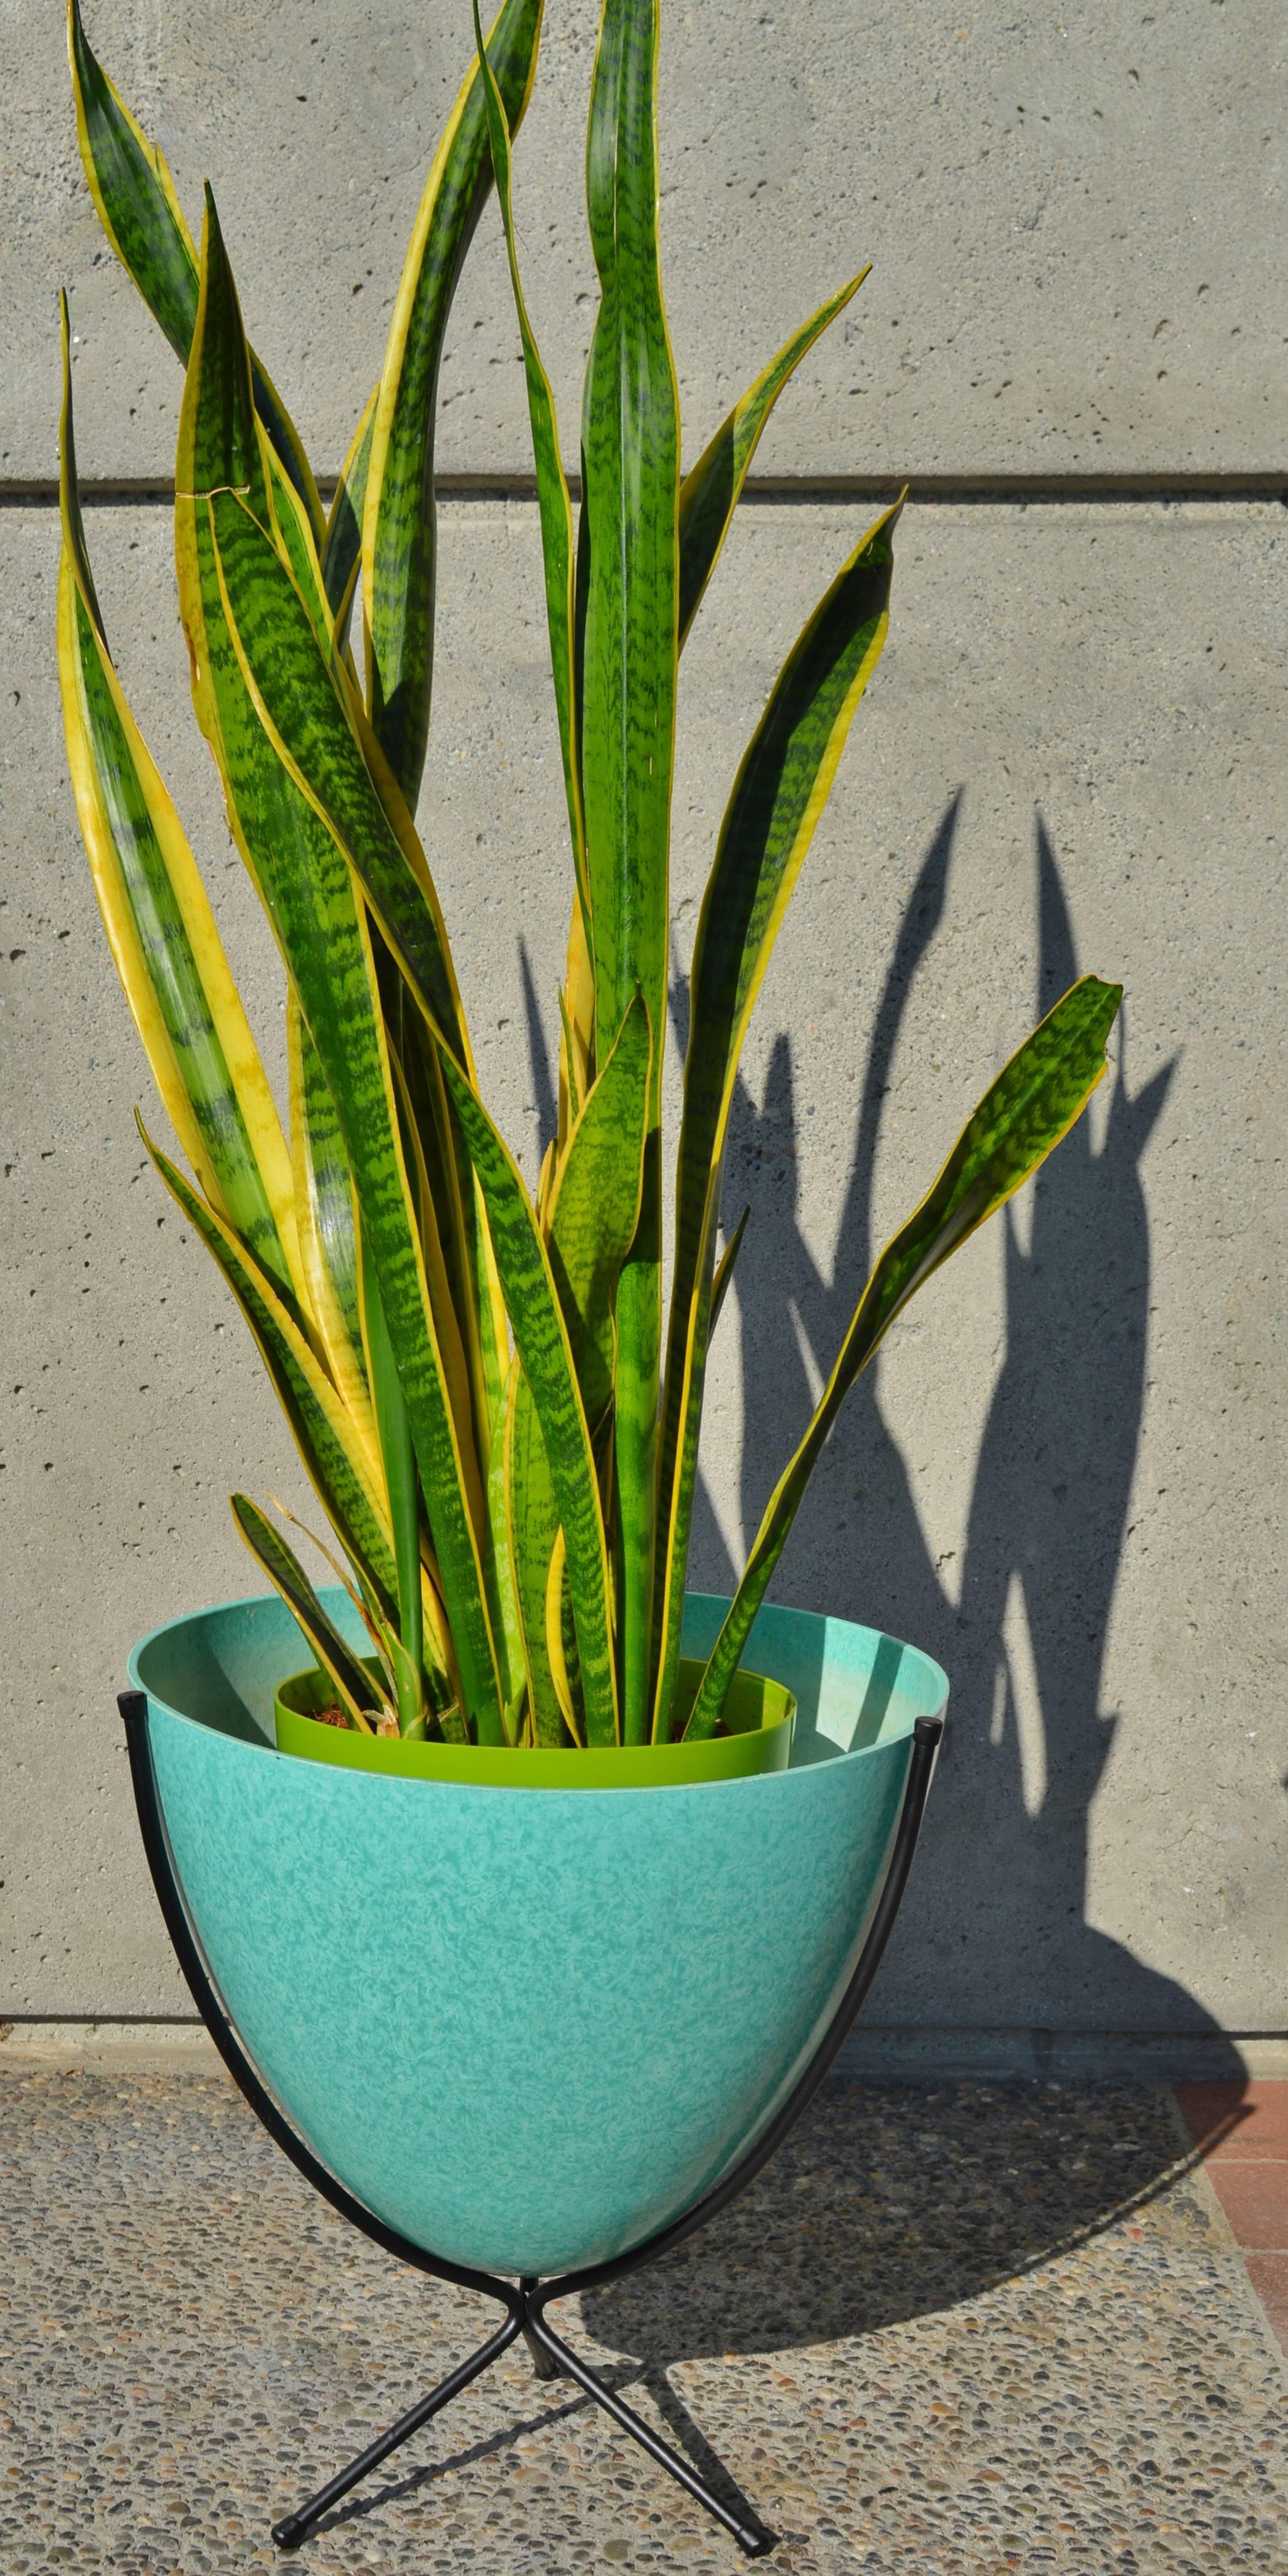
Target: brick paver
x,y
1241,2130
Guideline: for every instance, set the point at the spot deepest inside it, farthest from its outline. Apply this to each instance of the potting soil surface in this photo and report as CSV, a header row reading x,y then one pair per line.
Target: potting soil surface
x,y
951,2329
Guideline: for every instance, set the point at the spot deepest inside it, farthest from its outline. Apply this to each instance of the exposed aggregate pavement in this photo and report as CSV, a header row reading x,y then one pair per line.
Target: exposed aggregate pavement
x,y
952,2330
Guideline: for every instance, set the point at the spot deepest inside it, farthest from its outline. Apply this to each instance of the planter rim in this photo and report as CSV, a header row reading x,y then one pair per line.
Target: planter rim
x,y
765,1783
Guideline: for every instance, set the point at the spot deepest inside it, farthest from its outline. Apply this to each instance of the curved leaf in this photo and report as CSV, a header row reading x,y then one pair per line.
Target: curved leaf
x,y
1019,1121
627,576
315,735
134,194
722,1276
353,1687
319,732
343,1467
135,199
399,539
545,1350
709,493
309,893
162,930
342,545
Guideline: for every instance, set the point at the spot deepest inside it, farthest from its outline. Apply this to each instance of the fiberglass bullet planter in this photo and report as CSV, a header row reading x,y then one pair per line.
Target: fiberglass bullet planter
x,y
528,2028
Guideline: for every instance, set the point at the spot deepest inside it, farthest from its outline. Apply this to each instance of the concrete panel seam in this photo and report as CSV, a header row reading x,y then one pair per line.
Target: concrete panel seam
x,y
802,491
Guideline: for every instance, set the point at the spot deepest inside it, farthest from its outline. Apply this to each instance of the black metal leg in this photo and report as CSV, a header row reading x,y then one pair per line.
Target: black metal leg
x,y
751,2537
543,2362
295,2527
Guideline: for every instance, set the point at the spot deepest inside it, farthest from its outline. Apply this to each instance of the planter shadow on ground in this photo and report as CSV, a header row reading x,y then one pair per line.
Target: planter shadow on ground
x,y
888,2203
892,2202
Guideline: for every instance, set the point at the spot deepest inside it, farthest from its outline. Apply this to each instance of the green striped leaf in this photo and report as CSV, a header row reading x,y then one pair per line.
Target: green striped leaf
x,y
781,788
532,1525
399,537
353,1687
298,548
722,1277
324,1209
320,740
590,1226
453,1216
428,1197
135,199
309,893
134,194
709,493
342,545
627,576
503,1599
1020,1120
630,437
545,1351
162,930
320,734
553,500
594,1207
398,1458
342,1465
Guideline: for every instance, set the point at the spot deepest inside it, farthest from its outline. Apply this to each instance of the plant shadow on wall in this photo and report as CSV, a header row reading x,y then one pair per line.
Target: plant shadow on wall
x,y
1048,1516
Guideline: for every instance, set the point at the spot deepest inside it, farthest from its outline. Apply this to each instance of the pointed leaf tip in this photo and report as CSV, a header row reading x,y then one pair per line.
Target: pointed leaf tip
x,y
219,447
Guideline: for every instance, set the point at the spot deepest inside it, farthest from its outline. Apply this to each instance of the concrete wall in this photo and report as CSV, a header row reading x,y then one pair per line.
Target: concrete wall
x,y
1064,1476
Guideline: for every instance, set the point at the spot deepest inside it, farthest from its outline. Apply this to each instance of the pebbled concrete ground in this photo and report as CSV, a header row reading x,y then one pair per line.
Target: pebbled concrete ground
x,y
952,2330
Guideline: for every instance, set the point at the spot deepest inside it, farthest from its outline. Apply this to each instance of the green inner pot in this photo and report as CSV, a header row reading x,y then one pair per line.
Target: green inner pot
x,y
759,1716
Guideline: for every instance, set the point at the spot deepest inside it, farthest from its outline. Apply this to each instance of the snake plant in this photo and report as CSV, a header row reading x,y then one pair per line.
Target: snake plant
x,y
503,1440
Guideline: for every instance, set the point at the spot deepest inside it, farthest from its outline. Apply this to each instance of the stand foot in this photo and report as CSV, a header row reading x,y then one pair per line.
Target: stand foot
x,y
295,2527
752,2538
552,2359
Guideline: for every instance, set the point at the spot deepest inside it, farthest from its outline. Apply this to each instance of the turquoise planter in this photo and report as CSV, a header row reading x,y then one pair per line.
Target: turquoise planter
x,y
528,2028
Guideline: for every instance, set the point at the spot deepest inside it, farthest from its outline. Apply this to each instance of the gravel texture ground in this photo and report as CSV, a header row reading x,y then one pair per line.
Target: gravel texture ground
x,y
952,2330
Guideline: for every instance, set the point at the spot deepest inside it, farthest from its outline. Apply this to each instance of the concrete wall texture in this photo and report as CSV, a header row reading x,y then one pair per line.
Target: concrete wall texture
x,y
1064,1476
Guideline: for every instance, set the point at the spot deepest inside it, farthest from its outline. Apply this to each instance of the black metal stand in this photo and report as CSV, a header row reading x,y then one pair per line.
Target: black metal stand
x,y
524,2303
